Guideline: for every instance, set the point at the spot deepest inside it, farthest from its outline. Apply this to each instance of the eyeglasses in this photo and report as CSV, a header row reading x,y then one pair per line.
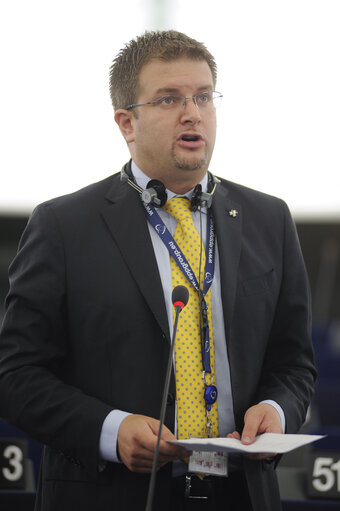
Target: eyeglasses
x,y
203,101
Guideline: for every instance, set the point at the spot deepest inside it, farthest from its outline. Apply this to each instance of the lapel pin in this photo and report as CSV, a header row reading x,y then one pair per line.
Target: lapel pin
x,y
233,213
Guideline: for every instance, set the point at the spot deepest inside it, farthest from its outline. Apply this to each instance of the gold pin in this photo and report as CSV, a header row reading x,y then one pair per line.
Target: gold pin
x,y
233,213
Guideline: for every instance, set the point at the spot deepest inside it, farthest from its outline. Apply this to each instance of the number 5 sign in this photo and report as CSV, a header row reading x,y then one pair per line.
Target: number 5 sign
x,y
12,463
324,474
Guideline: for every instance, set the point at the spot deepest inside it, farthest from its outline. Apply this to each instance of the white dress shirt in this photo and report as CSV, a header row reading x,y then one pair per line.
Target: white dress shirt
x,y
109,434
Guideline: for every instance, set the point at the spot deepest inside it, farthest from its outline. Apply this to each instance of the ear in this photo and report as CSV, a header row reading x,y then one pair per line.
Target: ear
x,y
124,119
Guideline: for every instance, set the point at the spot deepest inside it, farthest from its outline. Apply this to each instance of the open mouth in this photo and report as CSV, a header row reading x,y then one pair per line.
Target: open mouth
x,y
190,138
190,141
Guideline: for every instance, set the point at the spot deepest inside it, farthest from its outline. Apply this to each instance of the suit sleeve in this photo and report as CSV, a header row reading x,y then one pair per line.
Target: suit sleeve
x,y
288,372
36,391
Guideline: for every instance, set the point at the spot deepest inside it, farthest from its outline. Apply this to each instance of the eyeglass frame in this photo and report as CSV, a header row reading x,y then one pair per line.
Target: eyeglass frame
x,y
193,98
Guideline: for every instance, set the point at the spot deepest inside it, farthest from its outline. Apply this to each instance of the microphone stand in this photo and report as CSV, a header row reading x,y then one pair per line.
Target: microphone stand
x,y
151,491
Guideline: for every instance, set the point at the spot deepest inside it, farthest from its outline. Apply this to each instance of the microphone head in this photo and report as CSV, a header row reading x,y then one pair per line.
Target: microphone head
x,y
180,296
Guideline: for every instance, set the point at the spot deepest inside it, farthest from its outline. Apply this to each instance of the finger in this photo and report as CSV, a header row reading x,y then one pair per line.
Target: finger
x,y
252,421
167,453
142,461
166,449
261,418
234,434
137,441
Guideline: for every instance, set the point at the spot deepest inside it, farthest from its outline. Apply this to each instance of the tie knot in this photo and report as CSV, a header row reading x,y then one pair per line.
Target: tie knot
x,y
179,208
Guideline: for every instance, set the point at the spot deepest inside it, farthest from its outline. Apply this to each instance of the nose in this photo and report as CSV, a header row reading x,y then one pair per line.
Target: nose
x,y
190,111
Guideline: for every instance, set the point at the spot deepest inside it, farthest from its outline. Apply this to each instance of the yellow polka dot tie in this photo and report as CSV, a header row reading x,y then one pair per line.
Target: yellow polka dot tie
x,y
192,417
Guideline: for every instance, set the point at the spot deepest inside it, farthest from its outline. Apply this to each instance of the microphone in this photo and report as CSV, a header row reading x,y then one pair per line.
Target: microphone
x,y
179,297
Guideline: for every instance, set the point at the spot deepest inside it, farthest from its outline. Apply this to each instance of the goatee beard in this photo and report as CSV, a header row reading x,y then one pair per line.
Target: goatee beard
x,y
189,164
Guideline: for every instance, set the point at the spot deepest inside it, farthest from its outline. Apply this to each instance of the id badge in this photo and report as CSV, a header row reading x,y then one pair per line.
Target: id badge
x,y
209,463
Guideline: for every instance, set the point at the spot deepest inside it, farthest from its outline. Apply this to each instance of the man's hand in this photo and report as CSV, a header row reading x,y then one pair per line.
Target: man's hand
x,y
137,440
258,419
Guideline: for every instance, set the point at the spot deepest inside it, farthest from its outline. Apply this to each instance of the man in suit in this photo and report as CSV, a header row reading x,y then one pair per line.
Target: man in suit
x,y
85,341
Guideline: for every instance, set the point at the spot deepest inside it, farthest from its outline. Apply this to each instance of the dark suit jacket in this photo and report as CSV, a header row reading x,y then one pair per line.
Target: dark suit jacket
x,y
86,331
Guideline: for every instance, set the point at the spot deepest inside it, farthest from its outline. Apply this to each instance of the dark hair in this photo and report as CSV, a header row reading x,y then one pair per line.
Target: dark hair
x,y
164,45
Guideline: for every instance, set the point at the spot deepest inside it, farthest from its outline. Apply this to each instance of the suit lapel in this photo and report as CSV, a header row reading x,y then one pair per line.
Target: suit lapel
x,y
126,220
228,219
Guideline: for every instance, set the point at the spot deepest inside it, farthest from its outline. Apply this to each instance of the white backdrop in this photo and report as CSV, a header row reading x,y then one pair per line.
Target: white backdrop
x,y
279,71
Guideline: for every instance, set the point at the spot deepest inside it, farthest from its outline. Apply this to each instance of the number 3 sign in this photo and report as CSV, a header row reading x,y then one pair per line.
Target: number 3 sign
x,y
324,474
12,463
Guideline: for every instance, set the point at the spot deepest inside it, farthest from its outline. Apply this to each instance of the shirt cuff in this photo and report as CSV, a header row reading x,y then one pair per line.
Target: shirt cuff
x,y
109,435
279,411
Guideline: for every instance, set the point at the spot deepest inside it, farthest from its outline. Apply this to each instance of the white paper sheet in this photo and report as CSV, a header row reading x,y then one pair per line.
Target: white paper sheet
x,y
266,443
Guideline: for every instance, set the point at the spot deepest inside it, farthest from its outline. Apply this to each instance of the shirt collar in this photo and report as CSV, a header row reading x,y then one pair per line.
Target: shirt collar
x,y
142,180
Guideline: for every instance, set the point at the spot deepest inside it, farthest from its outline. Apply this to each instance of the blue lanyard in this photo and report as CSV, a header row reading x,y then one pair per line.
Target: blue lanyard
x,y
185,267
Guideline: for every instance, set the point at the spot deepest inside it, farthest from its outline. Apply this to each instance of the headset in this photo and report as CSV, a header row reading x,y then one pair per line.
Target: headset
x,y
155,192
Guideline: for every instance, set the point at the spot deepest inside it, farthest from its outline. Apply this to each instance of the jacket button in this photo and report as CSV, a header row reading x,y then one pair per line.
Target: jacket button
x,y
170,399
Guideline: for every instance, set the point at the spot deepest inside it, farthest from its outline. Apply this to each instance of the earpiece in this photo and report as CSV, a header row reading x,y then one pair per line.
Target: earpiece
x,y
155,192
204,199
